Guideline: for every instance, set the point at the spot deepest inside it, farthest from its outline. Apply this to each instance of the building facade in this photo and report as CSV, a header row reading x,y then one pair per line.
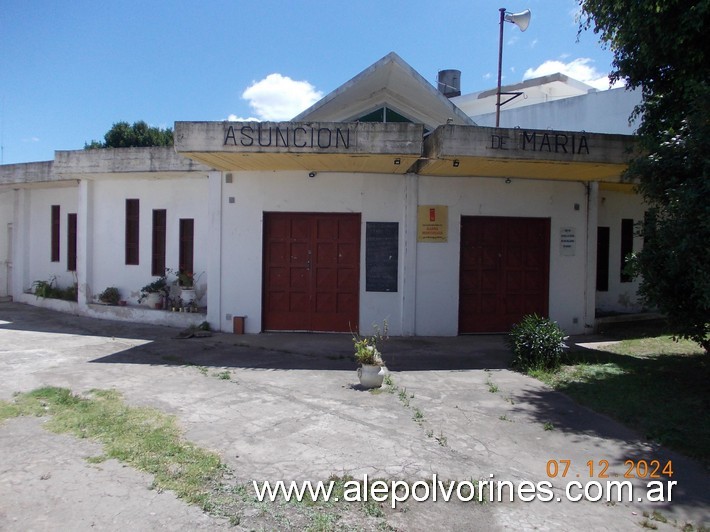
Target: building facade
x,y
384,201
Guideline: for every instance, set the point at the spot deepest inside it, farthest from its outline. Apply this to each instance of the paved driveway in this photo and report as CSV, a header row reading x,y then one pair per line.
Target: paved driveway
x,y
291,410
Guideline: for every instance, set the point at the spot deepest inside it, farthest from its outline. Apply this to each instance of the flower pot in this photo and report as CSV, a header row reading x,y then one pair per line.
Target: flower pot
x,y
371,376
154,300
187,295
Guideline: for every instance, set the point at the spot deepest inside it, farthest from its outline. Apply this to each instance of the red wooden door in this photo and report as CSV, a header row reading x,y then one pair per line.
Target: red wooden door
x,y
504,271
311,272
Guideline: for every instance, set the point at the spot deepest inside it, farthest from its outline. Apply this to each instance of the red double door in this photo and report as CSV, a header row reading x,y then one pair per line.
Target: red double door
x,y
504,271
311,272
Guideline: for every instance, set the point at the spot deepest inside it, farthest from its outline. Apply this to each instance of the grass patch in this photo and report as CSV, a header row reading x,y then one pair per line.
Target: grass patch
x,y
151,441
649,382
418,415
141,437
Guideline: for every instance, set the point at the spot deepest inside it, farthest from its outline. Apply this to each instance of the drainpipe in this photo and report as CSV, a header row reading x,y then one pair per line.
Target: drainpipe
x,y
214,252
408,308
590,293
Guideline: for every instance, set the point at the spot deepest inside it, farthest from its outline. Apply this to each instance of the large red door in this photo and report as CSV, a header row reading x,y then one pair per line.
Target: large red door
x,y
311,272
504,272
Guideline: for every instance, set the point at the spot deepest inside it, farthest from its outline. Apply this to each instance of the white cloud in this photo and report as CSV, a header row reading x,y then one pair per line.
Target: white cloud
x,y
31,139
580,69
235,118
278,97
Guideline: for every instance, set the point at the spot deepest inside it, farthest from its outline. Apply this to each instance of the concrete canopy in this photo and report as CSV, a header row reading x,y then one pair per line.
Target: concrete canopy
x,y
327,137
535,154
308,146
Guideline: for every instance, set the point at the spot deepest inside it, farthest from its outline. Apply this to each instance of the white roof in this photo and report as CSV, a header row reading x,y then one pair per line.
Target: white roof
x,y
391,82
534,91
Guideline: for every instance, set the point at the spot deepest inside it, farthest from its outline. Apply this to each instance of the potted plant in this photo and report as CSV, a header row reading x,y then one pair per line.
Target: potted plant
x,y
372,368
153,293
110,296
186,281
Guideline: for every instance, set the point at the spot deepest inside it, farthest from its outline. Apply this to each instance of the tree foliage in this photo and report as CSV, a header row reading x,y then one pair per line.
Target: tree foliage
x,y
140,134
660,46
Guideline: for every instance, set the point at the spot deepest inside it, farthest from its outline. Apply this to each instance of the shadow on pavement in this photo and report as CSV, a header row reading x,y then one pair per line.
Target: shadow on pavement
x,y
260,351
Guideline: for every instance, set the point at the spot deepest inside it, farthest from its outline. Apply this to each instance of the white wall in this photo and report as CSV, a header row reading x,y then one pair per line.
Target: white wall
x,y
599,112
383,198
7,209
378,198
184,197
438,264
39,237
613,206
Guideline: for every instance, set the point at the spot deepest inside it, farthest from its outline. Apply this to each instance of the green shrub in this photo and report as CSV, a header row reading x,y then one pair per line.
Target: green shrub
x,y
44,288
111,296
537,343
49,289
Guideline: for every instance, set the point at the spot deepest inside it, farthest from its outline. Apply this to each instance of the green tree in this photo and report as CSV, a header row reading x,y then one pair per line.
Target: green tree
x,y
140,134
660,46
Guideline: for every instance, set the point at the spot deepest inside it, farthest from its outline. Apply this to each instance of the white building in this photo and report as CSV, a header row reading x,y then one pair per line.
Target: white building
x,y
383,201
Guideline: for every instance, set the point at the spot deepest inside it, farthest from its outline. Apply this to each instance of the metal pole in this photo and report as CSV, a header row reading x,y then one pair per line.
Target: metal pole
x,y
500,64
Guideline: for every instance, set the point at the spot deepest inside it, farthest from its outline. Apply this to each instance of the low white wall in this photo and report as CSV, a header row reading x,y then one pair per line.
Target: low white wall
x,y
133,314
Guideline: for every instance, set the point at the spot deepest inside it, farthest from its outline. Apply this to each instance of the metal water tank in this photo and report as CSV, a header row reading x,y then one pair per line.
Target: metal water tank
x,y
449,83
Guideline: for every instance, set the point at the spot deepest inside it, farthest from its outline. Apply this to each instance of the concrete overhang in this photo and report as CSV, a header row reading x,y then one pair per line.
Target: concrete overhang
x,y
390,148
24,174
153,162
453,150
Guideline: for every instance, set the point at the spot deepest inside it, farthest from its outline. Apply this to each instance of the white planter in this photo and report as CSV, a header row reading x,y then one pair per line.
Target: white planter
x,y
187,295
153,300
371,376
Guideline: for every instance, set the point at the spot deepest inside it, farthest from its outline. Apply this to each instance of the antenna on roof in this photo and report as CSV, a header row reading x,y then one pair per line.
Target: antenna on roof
x,y
522,21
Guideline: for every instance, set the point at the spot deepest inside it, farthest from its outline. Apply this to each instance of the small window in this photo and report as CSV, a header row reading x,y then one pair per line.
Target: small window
x,y
602,259
71,242
159,234
132,230
627,247
187,245
383,114
55,233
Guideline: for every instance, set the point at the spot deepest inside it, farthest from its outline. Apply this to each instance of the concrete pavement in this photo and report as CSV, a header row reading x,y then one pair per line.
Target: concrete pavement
x,y
291,410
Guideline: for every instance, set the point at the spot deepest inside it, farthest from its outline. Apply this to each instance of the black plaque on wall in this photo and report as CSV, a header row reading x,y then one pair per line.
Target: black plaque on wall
x,y
381,256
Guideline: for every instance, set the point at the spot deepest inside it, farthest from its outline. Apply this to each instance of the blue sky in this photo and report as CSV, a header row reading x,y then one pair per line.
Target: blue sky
x,y
69,70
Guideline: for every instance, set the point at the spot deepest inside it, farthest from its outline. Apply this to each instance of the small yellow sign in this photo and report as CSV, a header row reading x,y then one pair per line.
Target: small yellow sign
x,y
433,223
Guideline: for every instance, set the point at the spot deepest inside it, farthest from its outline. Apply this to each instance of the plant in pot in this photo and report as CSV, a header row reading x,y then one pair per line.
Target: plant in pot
x,y
372,368
153,293
110,296
186,280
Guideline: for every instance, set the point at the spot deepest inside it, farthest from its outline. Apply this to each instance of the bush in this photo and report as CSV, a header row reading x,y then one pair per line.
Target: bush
x,y
49,289
537,343
111,296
